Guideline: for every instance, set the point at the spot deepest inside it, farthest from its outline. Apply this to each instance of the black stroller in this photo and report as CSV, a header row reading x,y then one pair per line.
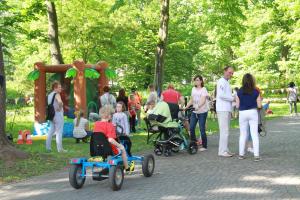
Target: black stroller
x,y
171,137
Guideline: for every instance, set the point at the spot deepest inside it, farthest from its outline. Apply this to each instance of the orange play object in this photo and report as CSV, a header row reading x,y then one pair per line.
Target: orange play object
x,y
79,85
24,135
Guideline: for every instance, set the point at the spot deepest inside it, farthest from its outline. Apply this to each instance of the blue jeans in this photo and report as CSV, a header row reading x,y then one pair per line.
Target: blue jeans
x,y
201,118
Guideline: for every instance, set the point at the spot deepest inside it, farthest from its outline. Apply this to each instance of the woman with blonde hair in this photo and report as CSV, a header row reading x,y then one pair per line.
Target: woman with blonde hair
x,y
106,127
81,127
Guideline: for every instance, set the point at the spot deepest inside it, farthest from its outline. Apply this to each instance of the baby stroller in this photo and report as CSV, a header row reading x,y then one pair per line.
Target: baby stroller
x,y
171,137
261,123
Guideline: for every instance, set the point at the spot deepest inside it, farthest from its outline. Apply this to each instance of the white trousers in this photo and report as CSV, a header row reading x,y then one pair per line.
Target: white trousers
x,y
224,125
248,118
56,127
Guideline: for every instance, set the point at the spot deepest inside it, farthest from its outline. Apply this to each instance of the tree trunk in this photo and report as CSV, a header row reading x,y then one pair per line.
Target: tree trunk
x,y
8,152
56,57
284,58
161,45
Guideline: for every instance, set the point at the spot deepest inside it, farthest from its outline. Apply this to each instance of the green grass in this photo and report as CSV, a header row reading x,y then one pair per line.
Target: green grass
x,y
41,162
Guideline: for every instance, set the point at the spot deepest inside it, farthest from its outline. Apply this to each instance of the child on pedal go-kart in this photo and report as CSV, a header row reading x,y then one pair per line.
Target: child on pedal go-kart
x,y
106,126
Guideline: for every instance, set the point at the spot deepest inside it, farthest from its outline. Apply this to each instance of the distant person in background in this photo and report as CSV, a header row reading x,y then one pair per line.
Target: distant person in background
x,y
108,99
132,105
81,128
235,111
213,110
173,98
292,97
138,106
266,107
170,95
122,97
152,97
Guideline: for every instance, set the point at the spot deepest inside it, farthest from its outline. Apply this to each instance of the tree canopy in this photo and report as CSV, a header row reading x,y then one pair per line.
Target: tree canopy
x,y
258,36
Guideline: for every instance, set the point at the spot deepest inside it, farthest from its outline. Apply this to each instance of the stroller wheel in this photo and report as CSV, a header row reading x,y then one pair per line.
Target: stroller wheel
x,y
158,150
167,152
176,144
193,148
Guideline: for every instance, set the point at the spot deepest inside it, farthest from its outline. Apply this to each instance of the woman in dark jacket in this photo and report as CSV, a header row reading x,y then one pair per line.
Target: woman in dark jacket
x,y
248,100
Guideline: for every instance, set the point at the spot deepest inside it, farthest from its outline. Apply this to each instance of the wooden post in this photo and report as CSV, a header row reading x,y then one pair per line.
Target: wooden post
x,y
40,94
103,80
80,88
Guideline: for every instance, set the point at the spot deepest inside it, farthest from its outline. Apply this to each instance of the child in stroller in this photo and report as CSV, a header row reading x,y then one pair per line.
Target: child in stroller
x,y
171,137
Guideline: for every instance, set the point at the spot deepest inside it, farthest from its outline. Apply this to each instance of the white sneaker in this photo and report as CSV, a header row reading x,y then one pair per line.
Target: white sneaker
x,y
226,155
62,151
202,149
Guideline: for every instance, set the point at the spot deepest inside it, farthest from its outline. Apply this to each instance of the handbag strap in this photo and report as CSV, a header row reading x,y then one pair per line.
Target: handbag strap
x,y
53,99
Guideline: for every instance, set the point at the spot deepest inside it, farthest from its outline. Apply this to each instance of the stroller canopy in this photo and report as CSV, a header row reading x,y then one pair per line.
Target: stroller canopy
x,y
162,108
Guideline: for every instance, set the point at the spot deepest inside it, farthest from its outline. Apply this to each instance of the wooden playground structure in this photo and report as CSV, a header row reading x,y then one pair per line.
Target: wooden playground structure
x,y
80,102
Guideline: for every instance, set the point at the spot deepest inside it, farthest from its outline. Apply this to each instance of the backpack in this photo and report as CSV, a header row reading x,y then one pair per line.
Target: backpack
x,y
51,110
99,145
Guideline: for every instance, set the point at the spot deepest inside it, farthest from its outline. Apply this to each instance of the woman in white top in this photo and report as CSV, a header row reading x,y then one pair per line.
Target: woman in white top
x,y
200,104
57,124
108,99
81,128
292,97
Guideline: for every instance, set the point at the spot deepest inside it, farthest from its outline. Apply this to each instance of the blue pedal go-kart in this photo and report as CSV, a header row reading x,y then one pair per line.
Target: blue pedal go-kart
x,y
108,167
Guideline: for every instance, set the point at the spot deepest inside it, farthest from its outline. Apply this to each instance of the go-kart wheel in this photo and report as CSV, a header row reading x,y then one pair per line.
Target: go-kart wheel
x,y
116,177
193,148
148,165
75,178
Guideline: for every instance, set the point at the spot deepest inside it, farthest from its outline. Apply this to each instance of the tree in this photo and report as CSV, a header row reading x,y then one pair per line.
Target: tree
x,y
56,57
161,45
8,152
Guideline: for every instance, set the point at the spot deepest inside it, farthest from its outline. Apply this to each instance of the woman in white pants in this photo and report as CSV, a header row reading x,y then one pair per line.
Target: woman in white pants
x,y
248,100
57,125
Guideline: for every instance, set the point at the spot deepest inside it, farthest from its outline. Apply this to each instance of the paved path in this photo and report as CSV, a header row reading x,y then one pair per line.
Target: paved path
x,y
202,176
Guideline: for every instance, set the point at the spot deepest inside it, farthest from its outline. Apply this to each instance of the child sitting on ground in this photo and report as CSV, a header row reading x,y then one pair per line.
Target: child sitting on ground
x,y
106,127
81,128
266,107
120,119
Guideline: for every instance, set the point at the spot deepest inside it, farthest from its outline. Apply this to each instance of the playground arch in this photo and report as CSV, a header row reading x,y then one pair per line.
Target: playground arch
x,y
40,102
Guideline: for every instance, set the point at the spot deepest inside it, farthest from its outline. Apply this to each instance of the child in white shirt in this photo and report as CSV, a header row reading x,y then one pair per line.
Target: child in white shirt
x,y
120,120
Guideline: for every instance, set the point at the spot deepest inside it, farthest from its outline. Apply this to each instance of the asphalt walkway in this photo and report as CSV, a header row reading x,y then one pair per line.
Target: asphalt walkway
x,y
201,176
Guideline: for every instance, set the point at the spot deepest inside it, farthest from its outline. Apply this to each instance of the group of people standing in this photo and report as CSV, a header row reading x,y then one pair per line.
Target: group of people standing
x,y
247,99
125,110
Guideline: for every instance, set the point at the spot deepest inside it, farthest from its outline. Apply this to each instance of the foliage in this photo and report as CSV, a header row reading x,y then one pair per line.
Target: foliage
x,y
91,73
261,37
71,73
34,75
109,73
